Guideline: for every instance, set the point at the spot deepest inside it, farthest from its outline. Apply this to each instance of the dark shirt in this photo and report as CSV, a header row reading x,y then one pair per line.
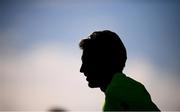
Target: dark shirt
x,y
124,93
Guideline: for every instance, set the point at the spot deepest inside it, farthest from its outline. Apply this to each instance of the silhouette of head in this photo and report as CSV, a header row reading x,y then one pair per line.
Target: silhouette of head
x,y
103,55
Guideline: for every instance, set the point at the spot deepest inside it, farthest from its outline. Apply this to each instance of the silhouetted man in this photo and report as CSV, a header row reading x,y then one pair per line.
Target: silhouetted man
x,y
103,60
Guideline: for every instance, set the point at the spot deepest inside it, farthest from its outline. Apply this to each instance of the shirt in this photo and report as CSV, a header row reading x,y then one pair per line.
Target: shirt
x,y
124,93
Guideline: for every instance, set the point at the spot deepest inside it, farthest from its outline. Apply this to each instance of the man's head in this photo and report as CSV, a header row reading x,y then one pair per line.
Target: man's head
x,y
103,55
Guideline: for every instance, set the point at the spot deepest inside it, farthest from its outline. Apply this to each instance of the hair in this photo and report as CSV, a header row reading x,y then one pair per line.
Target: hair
x,y
107,45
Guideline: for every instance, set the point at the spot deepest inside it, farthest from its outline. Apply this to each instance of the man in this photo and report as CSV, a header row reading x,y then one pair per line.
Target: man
x,y
103,59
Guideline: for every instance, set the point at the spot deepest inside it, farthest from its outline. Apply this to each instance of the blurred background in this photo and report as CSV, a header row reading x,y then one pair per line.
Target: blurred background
x,y
40,57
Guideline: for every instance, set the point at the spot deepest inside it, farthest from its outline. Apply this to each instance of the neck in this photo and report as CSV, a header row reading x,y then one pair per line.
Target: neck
x,y
105,84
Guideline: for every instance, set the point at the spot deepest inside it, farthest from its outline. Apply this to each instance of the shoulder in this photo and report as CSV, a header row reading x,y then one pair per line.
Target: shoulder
x,y
121,81
125,90
122,86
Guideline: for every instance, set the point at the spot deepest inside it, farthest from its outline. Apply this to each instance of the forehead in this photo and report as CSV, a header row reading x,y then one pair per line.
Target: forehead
x,y
86,53
89,54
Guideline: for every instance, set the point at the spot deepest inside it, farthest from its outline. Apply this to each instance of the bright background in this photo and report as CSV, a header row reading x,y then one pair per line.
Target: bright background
x,y
40,57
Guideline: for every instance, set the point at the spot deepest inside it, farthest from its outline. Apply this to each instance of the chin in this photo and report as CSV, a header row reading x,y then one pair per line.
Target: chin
x,y
92,85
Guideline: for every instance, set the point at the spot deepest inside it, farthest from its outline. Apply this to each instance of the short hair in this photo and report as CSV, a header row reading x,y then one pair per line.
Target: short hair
x,y
107,44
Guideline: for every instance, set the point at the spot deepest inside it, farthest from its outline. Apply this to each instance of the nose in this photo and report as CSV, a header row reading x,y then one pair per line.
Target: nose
x,y
82,68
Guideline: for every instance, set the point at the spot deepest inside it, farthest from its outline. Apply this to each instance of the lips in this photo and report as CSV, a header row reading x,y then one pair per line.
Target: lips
x,y
88,79
86,74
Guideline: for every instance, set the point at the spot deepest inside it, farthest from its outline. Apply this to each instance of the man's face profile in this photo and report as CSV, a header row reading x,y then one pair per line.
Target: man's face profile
x,y
91,67
99,58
